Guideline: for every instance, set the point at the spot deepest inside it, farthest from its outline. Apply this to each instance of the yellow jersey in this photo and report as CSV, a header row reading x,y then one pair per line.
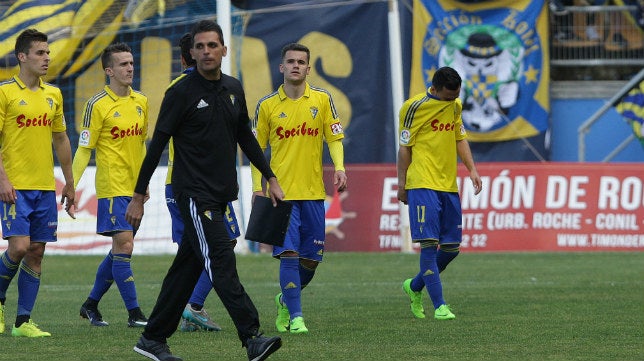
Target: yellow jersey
x,y
168,177
27,120
431,127
116,127
295,129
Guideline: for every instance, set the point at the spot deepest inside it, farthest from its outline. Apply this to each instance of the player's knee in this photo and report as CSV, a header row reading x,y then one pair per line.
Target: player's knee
x,y
452,248
309,264
429,243
289,254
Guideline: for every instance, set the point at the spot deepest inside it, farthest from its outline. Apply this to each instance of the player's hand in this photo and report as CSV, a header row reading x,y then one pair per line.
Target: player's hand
x,y
147,195
134,211
476,181
275,191
7,191
68,199
402,194
340,180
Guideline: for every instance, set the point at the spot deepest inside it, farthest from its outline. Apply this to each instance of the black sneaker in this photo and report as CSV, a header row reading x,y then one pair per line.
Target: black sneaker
x,y
260,347
92,314
136,318
155,350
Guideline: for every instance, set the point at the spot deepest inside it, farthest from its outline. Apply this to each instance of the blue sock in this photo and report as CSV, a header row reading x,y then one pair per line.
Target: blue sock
x,y
124,279
417,283
104,278
202,289
8,269
291,286
429,269
445,255
28,285
306,275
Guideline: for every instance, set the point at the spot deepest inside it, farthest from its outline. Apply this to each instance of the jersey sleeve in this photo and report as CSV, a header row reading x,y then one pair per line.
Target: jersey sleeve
x,y
90,129
58,124
460,132
3,109
405,135
332,126
261,124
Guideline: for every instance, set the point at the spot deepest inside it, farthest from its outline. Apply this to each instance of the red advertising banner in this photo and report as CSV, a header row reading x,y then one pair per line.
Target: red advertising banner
x,y
522,207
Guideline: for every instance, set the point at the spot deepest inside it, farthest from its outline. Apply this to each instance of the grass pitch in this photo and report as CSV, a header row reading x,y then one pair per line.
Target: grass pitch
x,y
509,306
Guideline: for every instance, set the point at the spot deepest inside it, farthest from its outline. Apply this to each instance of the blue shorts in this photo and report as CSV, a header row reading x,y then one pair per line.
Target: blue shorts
x,y
35,214
435,215
230,220
110,217
305,234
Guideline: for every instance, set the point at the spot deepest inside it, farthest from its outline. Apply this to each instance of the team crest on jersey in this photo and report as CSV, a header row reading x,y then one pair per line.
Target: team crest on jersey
x,y
22,102
314,112
282,115
50,101
139,110
117,114
233,99
8,224
83,138
404,136
113,220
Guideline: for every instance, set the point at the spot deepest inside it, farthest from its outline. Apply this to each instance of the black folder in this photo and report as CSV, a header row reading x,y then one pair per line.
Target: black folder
x,y
268,224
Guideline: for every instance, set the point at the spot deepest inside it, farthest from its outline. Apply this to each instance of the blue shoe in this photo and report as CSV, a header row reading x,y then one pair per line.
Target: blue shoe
x,y
200,318
93,315
136,318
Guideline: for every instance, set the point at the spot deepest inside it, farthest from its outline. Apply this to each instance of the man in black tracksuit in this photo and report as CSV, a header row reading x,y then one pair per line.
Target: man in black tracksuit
x,y
205,114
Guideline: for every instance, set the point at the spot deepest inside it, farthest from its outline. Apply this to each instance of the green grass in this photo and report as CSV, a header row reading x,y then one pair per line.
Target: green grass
x,y
509,306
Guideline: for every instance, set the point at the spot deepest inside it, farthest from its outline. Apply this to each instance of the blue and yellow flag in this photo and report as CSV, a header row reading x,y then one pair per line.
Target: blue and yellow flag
x,y
500,50
78,30
632,109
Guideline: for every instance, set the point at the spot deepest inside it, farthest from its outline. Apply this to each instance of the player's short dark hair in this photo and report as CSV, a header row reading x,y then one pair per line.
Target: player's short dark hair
x,y
204,26
24,40
106,57
185,43
296,47
446,77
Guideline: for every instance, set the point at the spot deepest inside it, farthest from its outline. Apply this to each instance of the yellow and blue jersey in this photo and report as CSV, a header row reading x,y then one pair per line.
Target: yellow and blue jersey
x,y
432,127
27,120
295,130
116,127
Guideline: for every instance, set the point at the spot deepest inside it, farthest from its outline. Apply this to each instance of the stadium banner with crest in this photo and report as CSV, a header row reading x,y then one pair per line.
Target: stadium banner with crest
x,y
500,49
349,55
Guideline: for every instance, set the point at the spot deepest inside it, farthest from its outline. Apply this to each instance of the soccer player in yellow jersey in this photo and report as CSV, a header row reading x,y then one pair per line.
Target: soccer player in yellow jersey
x,y
431,136
295,120
31,119
115,123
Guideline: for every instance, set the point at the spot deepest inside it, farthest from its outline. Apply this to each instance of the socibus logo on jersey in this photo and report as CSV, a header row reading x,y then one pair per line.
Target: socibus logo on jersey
x,y
133,131
437,126
301,130
39,121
